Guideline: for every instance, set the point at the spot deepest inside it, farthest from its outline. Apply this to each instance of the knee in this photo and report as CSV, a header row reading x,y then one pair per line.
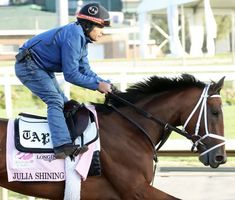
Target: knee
x,y
56,101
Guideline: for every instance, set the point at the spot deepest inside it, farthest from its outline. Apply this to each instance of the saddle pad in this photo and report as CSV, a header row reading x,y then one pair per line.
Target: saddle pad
x,y
31,167
33,135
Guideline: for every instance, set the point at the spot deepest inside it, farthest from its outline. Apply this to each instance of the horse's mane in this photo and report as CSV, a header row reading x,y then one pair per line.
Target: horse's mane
x,y
154,85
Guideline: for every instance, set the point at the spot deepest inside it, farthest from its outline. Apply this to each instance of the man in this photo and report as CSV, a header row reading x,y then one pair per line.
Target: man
x,y
62,49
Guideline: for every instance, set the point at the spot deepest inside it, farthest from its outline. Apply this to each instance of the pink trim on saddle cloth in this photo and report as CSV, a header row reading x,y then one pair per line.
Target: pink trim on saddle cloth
x,y
41,167
92,109
85,158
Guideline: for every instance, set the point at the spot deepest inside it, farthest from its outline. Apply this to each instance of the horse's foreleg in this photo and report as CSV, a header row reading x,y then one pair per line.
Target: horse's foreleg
x,y
158,194
98,188
147,192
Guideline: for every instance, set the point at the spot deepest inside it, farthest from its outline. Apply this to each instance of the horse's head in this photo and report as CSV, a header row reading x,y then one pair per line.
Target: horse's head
x,y
205,122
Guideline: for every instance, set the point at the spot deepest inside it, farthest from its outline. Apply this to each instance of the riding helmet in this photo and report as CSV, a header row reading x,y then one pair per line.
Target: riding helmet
x,y
93,14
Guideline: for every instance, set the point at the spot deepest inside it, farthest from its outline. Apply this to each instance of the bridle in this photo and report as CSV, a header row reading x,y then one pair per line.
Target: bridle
x,y
195,138
203,113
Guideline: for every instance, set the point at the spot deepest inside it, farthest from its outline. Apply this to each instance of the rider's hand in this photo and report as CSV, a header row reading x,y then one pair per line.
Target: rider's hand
x,y
104,87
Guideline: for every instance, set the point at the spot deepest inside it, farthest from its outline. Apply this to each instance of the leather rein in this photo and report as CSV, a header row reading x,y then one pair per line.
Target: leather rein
x,y
167,127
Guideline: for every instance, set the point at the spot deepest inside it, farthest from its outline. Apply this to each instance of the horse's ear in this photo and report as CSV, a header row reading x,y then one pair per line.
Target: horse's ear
x,y
216,87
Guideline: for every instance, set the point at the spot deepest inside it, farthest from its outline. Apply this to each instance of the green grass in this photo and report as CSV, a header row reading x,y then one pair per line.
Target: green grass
x,y
229,121
24,101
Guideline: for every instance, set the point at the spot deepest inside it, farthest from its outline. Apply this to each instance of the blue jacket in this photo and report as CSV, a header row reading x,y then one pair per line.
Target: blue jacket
x,y
64,49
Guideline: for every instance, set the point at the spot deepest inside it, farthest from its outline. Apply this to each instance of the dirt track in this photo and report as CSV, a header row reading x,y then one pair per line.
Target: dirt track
x,y
197,185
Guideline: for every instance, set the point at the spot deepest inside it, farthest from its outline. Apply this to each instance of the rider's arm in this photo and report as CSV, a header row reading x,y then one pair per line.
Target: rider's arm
x,y
74,72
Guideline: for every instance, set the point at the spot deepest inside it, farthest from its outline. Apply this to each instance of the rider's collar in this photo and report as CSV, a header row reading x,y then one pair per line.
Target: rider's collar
x,y
88,39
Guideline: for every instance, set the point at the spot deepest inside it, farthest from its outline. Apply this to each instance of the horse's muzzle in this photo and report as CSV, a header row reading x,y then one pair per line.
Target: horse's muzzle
x,y
214,159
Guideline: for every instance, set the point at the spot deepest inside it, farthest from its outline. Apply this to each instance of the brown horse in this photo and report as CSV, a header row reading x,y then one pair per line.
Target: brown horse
x,y
130,131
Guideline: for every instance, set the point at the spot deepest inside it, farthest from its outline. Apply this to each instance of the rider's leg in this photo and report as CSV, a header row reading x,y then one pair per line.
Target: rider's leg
x,y
46,87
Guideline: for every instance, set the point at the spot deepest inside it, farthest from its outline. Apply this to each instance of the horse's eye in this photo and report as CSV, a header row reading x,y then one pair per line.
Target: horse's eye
x,y
215,112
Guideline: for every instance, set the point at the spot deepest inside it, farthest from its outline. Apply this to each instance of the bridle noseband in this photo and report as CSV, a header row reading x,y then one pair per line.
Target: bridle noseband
x,y
203,110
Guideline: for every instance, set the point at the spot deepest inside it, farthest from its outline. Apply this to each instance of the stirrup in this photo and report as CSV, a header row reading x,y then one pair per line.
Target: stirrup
x,y
80,150
65,150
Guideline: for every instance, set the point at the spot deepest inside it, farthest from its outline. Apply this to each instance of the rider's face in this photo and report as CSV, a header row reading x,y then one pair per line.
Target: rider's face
x,y
96,33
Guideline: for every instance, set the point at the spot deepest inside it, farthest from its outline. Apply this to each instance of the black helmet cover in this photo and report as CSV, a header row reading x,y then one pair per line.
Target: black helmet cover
x,y
95,13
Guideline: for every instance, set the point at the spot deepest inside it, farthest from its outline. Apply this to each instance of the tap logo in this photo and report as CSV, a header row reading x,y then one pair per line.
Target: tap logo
x,y
93,10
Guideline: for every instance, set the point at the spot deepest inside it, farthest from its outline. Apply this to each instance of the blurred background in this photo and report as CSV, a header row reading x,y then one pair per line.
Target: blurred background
x,y
140,29
146,37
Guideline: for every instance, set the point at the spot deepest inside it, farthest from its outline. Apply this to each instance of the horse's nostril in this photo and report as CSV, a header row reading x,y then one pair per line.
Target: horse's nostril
x,y
219,158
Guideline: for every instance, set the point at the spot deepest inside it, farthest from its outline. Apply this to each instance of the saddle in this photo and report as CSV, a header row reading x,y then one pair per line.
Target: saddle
x,y
77,117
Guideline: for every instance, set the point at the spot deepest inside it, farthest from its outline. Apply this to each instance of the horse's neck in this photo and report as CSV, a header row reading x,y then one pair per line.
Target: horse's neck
x,y
163,107
166,108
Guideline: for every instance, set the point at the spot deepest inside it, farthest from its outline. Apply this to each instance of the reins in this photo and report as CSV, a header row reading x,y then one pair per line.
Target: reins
x,y
148,115
135,123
